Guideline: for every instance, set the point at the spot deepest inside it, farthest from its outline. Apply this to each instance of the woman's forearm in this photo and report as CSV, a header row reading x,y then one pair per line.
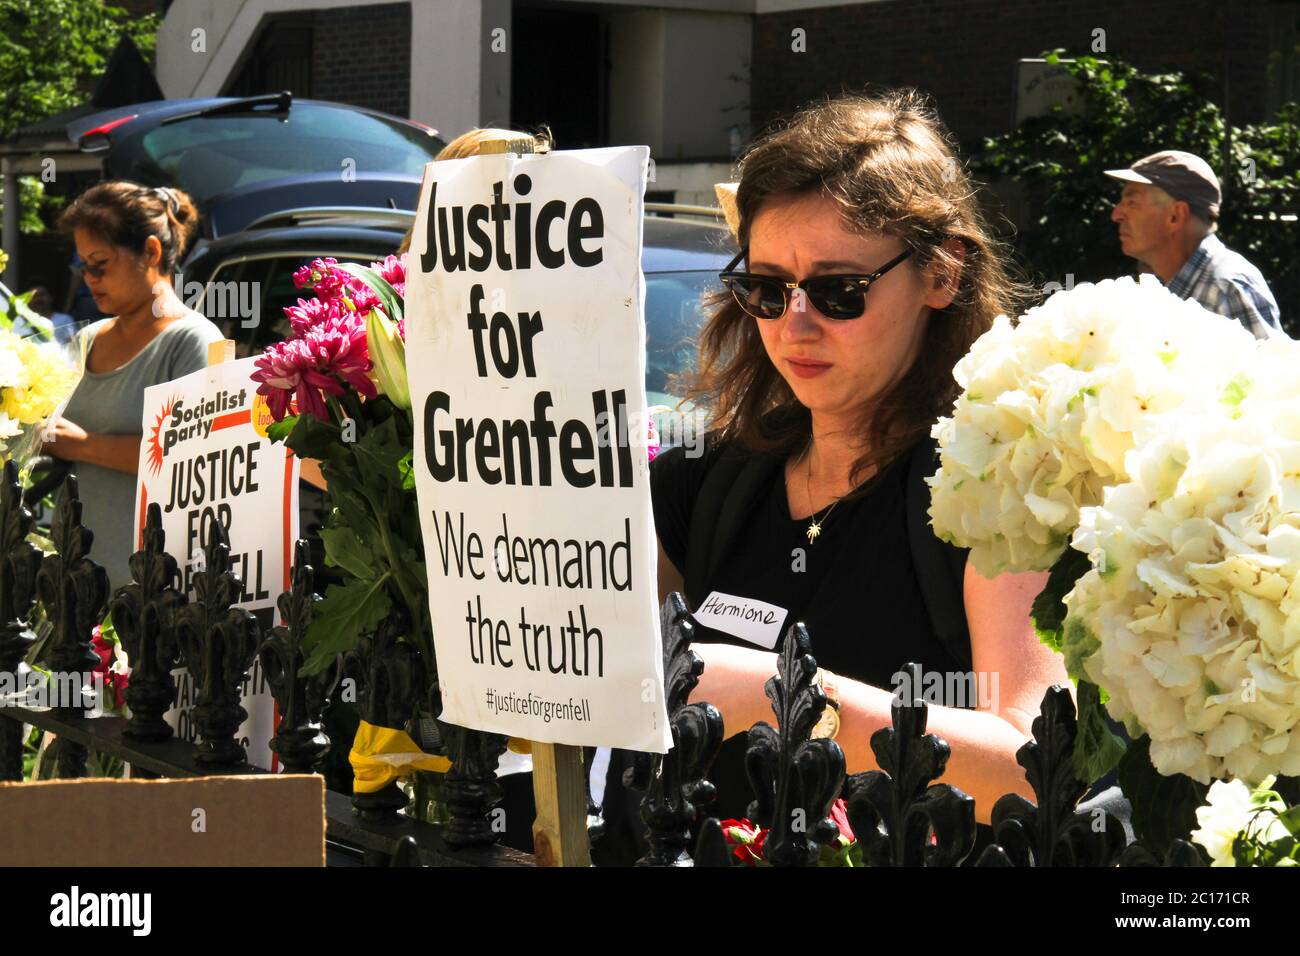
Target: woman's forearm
x,y
982,745
733,682
118,452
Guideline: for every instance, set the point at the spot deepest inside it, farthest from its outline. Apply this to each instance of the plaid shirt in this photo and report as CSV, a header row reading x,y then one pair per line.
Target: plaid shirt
x,y
1225,282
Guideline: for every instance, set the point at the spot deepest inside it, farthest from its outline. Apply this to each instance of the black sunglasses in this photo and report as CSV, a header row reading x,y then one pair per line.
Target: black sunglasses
x,y
835,296
95,270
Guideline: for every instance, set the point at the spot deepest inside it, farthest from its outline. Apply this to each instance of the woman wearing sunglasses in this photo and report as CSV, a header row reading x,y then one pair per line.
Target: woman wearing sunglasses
x,y
865,273
130,239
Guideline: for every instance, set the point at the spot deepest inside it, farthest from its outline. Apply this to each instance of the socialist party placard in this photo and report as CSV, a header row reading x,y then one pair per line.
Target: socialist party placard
x,y
525,349
205,457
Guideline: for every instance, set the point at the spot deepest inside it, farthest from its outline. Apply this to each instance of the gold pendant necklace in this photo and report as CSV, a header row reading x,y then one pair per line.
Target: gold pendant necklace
x,y
815,525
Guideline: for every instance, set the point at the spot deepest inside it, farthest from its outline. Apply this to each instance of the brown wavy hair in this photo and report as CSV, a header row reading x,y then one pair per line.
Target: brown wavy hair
x,y
125,214
889,163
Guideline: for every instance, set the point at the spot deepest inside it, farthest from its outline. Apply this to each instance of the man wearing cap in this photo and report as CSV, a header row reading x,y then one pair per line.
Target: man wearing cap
x,y
1167,217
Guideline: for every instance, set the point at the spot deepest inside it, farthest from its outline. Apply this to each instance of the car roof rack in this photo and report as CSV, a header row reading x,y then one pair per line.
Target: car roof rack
x,y
683,209
323,214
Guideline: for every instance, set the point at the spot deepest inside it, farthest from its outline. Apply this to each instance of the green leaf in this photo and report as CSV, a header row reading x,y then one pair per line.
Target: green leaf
x,y
378,452
388,297
346,614
1048,611
107,631
1096,749
836,855
279,431
346,550
1164,808
313,438
406,468
1078,643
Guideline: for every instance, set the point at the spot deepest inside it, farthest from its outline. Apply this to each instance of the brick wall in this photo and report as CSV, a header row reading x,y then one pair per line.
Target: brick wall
x,y
362,56
963,52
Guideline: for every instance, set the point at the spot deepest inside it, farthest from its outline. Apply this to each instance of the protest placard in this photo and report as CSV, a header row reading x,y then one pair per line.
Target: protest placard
x,y
525,345
205,456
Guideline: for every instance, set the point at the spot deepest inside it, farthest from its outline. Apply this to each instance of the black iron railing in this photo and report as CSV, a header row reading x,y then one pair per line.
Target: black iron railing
x,y
900,815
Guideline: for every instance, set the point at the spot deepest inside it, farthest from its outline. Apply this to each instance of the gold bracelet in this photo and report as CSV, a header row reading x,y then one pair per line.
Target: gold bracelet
x,y
829,724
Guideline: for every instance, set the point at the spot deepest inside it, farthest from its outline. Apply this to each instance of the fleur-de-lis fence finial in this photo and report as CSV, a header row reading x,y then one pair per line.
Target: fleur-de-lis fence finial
x,y
1053,833
145,618
73,590
388,674
218,642
300,738
470,788
795,779
897,811
674,784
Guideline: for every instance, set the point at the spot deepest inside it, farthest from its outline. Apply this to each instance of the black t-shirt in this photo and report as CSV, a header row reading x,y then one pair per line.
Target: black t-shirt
x,y
854,588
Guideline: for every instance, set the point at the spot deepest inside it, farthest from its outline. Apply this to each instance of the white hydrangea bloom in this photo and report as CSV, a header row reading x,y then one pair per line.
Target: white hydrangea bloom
x,y
1190,617
1052,405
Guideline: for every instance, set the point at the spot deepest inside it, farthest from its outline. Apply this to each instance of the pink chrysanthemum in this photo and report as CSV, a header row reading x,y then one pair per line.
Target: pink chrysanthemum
x,y
360,295
309,313
393,269
309,276
323,359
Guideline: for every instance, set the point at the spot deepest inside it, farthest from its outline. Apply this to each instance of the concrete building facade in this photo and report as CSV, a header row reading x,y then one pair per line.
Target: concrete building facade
x,y
694,79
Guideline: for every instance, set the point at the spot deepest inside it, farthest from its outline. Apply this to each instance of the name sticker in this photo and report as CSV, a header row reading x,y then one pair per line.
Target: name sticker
x,y
755,621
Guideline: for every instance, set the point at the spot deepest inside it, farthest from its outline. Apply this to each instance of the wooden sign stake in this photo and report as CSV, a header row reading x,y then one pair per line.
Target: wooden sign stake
x,y
220,351
560,789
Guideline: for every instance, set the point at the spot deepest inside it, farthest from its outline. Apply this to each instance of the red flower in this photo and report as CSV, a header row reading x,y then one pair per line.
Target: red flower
x,y
746,840
107,653
840,817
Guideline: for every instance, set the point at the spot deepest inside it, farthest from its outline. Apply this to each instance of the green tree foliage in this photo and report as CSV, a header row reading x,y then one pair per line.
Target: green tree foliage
x,y
1060,159
51,53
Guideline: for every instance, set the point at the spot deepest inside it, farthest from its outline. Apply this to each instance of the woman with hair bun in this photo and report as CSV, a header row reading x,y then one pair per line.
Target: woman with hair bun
x,y
130,239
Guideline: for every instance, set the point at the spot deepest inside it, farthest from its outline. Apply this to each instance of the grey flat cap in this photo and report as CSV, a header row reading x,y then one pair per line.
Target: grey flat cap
x,y
1182,175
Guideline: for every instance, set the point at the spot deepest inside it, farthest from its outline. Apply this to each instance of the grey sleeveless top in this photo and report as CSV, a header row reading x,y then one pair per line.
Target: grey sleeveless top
x,y
113,403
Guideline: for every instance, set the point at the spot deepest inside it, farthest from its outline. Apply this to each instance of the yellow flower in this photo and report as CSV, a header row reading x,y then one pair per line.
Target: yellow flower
x,y
32,387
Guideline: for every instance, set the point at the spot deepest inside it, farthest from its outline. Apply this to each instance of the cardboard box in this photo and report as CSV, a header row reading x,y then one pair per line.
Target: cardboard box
x,y
204,821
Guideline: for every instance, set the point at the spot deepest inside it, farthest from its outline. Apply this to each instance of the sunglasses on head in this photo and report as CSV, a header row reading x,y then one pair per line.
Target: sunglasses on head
x,y
834,296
